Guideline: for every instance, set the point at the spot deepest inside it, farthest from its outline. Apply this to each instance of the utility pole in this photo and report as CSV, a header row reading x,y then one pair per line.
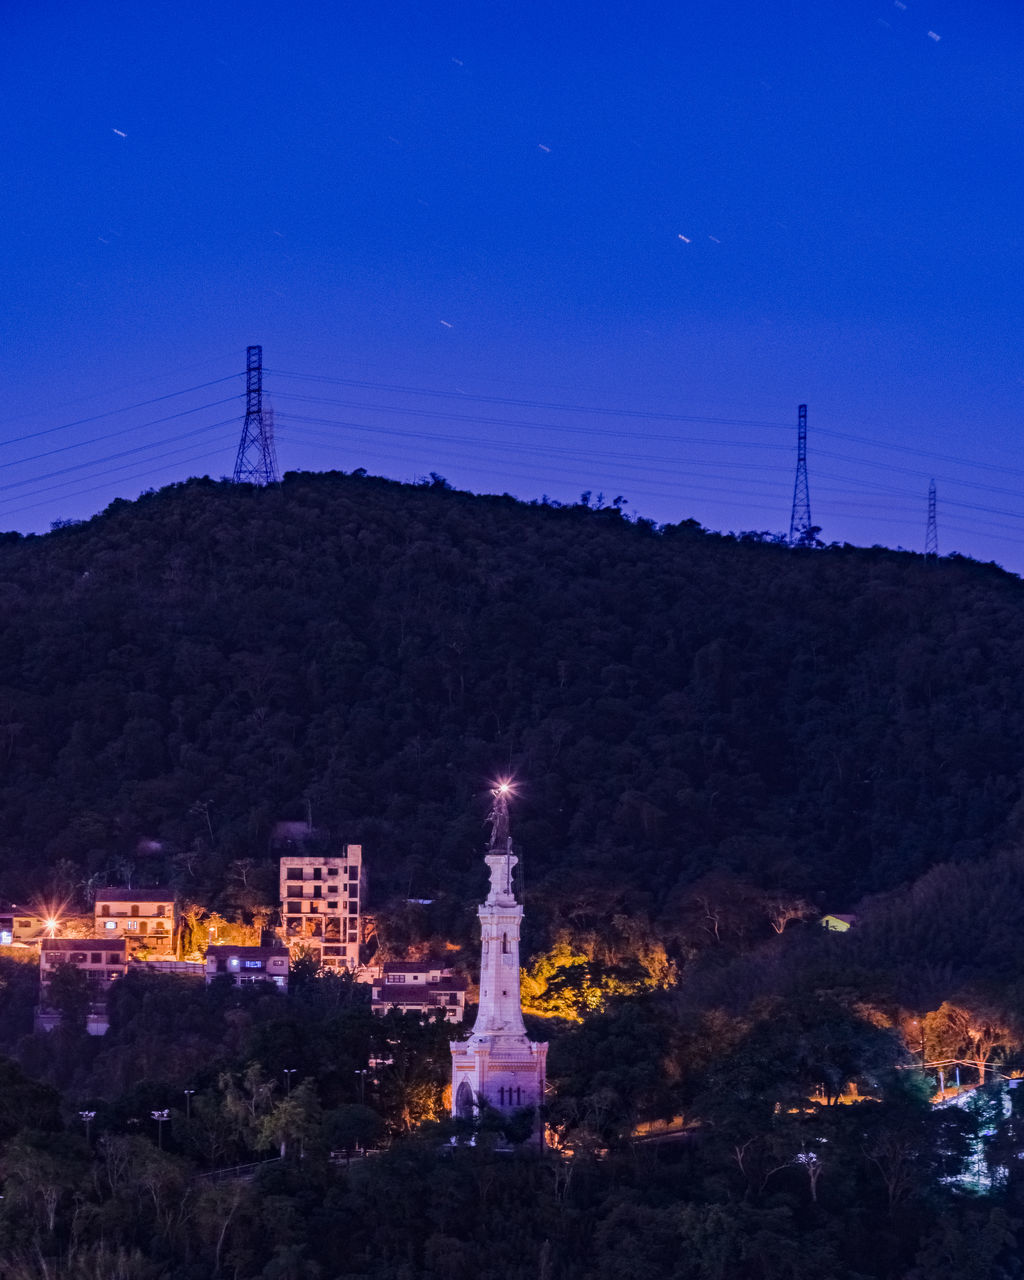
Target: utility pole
x,y
931,537
800,534
256,462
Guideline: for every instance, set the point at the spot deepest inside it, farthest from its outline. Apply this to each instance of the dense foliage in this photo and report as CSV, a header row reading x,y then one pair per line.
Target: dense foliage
x,y
714,739
187,669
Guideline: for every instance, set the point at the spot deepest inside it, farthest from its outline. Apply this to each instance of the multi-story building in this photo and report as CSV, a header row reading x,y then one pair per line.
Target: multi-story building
x,y
420,986
103,960
320,899
143,917
248,965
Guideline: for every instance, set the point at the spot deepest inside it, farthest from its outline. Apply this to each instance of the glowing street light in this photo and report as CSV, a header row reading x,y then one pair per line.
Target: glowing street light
x,y
288,1073
161,1117
87,1117
188,1103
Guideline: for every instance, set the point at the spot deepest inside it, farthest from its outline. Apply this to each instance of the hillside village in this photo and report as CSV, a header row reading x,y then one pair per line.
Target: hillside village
x,y
319,920
751,933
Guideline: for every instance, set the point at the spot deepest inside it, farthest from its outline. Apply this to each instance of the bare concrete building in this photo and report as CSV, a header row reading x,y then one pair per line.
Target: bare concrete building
x,y
320,905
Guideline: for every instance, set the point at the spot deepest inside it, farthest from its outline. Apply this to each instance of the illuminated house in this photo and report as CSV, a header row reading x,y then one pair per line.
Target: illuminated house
x,y
320,899
248,965
143,917
420,987
103,960
498,1068
23,925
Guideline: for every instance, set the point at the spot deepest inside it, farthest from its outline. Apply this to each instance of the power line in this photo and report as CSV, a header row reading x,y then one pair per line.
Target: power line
x,y
528,404
111,457
110,413
124,431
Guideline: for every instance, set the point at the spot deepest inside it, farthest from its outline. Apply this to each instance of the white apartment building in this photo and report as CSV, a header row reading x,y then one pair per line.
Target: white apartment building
x,y
143,917
320,905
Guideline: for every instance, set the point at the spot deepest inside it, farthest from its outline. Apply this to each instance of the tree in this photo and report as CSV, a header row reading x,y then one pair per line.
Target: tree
x,y
70,991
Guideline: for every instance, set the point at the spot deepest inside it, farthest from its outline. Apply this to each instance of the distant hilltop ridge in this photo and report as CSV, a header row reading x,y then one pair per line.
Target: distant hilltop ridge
x,y
213,659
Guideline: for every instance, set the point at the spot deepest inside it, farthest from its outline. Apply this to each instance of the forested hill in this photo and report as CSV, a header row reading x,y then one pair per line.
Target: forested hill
x,y
198,664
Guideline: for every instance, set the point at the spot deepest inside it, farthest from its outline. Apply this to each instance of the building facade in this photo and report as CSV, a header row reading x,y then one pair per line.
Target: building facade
x,y
143,917
246,966
320,905
499,1068
420,986
102,960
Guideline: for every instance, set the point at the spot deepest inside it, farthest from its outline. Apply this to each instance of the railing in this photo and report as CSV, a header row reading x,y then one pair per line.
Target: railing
x,y
238,1172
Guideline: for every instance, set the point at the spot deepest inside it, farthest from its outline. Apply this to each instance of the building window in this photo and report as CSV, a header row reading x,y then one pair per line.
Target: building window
x,y
504,944
110,924
353,908
318,892
135,908
160,912
353,873
113,958
253,964
332,871
104,910
395,977
293,906
293,873
96,957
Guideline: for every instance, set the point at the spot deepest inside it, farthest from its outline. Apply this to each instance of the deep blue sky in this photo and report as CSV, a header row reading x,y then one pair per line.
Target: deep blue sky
x,y
488,202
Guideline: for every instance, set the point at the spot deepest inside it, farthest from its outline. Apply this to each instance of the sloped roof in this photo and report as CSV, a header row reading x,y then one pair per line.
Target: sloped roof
x,y
245,953
158,894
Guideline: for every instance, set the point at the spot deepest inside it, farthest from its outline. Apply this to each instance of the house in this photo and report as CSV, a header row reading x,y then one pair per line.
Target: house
x,y
144,917
103,960
420,987
248,965
320,905
837,923
24,925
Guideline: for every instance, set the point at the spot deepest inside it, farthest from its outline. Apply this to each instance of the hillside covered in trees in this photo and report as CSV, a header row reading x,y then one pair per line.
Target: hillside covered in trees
x,y
187,669
714,739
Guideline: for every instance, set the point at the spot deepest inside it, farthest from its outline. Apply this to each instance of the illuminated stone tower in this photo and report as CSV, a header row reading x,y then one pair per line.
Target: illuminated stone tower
x,y
498,1067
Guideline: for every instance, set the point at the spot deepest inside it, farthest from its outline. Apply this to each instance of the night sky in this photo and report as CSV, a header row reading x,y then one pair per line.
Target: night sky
x,y
537,248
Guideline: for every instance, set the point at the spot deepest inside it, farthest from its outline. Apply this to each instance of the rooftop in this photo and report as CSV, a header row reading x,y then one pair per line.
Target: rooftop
x,y
157,894
83,944
245,953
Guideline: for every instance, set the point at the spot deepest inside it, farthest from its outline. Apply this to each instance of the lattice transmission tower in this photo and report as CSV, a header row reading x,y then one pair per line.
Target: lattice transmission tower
x,y
931,535
256,462
801,531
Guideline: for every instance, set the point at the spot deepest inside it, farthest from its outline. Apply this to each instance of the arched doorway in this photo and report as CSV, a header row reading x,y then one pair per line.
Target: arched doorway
x,y
464,1101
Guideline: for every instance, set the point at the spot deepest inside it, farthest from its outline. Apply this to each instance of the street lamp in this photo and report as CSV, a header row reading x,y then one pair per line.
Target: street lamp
x,y
188,1103
361,1073
87,1117
288,1073
161,1117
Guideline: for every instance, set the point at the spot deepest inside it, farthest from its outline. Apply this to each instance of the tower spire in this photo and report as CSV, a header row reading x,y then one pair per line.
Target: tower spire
x,y
499,1067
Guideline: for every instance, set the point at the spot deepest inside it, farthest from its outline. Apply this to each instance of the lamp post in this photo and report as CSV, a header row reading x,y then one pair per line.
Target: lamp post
x,y
288,1073
188,1103
87,1117
361,1073
161,1118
